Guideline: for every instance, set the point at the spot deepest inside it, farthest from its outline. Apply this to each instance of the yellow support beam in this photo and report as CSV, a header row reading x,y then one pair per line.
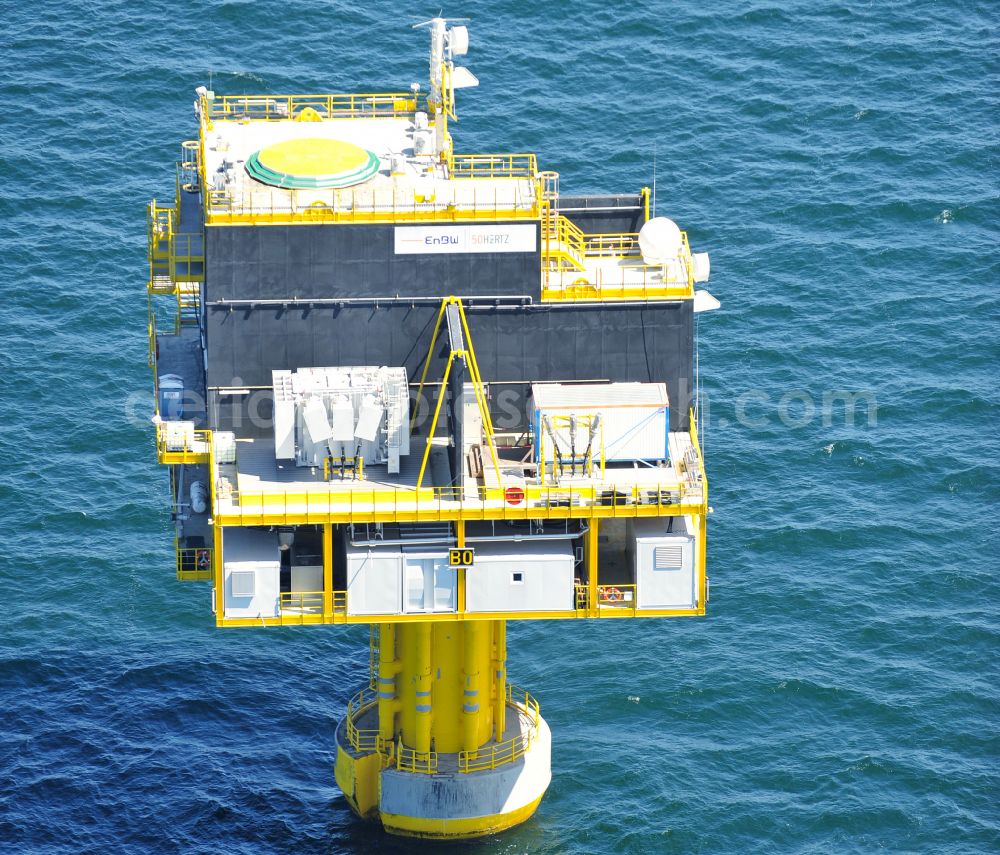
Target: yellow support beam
x,y
590,551
328,569
317,619
499,679
475,637
427,361
461,571
702,573
420,698
434,421
477,385
388,668
220,592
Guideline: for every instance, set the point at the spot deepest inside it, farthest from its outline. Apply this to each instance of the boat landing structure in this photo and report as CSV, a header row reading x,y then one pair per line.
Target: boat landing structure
x,y
427,391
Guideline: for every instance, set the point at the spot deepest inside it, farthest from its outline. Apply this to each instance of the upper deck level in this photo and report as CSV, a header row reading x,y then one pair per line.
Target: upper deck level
x,y
388,159
416,178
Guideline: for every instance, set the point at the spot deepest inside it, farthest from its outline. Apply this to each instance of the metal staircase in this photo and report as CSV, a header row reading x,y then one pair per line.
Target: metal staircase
x,y
176,263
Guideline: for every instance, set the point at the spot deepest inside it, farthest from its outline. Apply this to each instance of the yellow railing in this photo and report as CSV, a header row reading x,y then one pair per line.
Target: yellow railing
x,y
297,603
497,754
408,760
367,739
613,245
564,240
618,597
635,282
175,448
194,564
301,602
430,504
173,256
151,331
366,502
187,257
520,697
367,204
567,275
465,166
385,105
159,233
582,596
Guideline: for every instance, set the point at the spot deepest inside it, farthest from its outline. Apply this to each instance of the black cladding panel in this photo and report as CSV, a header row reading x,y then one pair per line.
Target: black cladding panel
x,y
354,260
604,214
514,346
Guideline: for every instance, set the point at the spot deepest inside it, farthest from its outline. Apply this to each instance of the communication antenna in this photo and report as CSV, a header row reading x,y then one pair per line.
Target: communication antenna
x,y
697,388
654,178
446,43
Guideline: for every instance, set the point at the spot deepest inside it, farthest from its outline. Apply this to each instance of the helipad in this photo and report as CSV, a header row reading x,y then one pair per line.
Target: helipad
x,y
314,163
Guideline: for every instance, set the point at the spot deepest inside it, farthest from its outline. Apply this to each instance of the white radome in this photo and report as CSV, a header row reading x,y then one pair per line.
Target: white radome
x,y
660,241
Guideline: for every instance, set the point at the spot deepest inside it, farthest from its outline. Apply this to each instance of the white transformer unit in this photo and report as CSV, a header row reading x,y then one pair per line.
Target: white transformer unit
x,y
389,580
344,412
634,419
251,573
525,576
664,553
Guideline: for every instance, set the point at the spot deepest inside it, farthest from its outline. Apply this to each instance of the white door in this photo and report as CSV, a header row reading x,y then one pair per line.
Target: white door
x,y
430,585
373,585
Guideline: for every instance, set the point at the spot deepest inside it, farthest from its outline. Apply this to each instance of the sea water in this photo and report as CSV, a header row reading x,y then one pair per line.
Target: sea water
x,y
838,160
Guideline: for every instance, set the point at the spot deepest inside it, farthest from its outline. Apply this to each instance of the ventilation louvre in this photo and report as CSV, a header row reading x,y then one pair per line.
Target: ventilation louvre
x,y
668,557
242,583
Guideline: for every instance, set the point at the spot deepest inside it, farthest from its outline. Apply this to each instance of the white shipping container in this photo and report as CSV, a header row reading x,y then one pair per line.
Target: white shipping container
x,y
526,576
388,580
251,570
506,576
635,419
664,555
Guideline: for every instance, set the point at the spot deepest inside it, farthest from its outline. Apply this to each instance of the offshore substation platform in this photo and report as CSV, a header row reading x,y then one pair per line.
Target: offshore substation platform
x,y
427,391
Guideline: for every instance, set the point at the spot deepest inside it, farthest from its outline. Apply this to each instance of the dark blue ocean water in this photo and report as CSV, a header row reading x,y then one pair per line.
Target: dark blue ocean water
x,y
840,162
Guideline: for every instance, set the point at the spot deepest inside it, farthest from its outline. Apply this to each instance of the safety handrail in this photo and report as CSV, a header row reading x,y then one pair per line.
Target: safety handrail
x,y
311,601
361,702
408,760
174,257
521,698
194,563
491,756
497,754
616,597
391,105
366,204
681,497
611,245
564,244
178,448
473,166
